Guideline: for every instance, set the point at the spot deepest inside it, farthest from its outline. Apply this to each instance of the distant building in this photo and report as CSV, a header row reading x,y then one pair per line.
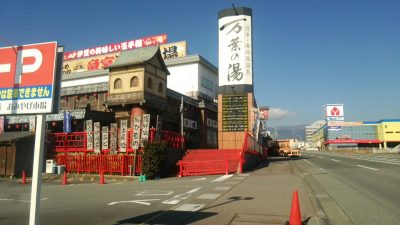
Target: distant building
x,y
309,130
381,134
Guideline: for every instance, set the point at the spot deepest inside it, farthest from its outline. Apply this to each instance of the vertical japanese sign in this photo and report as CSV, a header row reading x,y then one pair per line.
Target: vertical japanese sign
x,y
28,79
104,138
96,137
136,132
123,136
145,127
235,48
1,124
89,134
67,122
113,139
32,123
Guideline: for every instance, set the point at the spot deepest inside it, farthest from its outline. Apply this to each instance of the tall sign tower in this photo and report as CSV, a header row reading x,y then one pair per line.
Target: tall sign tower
x,y
236,99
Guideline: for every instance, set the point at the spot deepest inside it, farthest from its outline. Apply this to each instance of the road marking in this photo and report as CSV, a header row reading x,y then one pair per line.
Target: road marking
x,y
308,161
221,188
321,157
178,198
200,179
20,200
335,160
155,192
208,196
366,167
244,175
189,207
143,202
222,178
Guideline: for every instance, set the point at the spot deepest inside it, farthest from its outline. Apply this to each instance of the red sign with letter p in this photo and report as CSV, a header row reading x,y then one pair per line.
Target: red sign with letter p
x,y
27,75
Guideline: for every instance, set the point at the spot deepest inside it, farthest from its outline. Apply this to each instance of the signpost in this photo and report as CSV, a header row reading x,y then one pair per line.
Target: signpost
x,y
30,84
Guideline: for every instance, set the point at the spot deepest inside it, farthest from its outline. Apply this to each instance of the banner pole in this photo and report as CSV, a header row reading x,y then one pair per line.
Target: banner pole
x,y
37,171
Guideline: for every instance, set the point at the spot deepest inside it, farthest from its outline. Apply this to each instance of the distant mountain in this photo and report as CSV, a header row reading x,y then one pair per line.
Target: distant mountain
x,y
285,132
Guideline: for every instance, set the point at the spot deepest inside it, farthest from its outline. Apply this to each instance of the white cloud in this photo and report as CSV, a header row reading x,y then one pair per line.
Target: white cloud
x,y
278,113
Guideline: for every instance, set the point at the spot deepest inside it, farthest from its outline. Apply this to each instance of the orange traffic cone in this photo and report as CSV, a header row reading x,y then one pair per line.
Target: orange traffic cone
x,y
295,215
102,177
65,180
23,177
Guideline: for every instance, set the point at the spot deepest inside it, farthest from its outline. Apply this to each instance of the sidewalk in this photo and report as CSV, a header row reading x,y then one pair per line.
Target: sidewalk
x,y
264,197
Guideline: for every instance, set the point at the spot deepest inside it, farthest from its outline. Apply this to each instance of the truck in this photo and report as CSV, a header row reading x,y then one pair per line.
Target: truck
x,y
289,147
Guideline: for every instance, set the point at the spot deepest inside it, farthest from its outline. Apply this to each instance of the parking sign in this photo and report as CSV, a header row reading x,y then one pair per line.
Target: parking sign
x,y
28,79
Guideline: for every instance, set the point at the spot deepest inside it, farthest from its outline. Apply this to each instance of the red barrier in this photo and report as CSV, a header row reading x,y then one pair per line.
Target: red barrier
x,y
111,164
198,168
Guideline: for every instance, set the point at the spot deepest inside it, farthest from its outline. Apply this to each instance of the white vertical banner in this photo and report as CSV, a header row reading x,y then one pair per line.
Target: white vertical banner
x,y
145,127
96,137
136,132
89,134
235,50
113,139
123,136
32,123
1,124
104,138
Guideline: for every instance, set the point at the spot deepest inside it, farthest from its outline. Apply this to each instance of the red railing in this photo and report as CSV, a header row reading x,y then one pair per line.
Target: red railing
x,y
198,168
111,164
77,141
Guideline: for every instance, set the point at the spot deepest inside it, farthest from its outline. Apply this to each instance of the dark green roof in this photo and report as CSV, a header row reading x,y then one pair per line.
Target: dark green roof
x,y
135,56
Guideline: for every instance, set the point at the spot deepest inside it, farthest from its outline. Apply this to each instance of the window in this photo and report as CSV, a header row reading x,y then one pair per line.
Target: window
x,y
118,84
134,81
149,83
160,88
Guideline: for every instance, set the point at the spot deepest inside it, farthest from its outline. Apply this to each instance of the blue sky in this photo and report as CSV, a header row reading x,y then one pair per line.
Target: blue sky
x,y
306,53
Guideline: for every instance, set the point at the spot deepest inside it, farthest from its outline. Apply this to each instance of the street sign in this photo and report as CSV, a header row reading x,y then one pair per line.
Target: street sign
x,y
28,79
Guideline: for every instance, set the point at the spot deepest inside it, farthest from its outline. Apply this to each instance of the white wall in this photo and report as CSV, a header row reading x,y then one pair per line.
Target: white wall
x,y
184,78
85,81
211,90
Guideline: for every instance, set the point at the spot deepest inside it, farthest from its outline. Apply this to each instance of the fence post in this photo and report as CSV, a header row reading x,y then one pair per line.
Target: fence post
x,y
180,169
123,164
227,167
152,132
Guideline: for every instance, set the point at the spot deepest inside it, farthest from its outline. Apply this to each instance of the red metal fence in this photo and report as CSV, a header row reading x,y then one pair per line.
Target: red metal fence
x,y
71,151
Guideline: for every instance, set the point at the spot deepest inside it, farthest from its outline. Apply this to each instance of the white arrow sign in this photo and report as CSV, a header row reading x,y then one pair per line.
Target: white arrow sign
x,y
143,202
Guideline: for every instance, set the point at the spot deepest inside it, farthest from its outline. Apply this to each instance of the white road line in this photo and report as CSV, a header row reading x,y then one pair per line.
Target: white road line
x,y
221,188
155,192
321,157
335,160
308,162
222,178
366,167
142,202
208,196
178,198
189,207
203,178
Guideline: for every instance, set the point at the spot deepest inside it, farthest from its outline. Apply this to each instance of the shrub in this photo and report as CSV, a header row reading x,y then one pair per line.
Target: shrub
x,y
153,158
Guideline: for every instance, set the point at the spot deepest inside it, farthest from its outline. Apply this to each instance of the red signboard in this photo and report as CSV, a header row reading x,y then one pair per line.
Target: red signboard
x,y
116,47
27,75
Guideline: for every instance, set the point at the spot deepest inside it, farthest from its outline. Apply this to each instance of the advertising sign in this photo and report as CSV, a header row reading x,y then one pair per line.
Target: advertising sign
x,y
89,134
123,136
96,137
113,140
67,122
234,113
145,127
28,79
334,112
116,47
136,132
235,50
32,123
1,124
104,138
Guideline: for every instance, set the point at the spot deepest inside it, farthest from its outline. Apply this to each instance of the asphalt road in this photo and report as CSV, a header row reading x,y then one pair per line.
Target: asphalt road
x,y
114,203
364,187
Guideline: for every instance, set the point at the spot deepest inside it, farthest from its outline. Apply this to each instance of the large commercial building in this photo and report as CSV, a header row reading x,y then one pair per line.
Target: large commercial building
x,y
381,134
309,130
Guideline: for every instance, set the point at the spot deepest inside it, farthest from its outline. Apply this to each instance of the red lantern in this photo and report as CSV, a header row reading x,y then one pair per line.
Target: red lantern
x,y
26,125
54,123
17,126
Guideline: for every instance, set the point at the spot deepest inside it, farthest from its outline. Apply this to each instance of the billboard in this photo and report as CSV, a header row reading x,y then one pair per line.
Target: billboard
x,y
235,50
116,47
28,79
334,112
